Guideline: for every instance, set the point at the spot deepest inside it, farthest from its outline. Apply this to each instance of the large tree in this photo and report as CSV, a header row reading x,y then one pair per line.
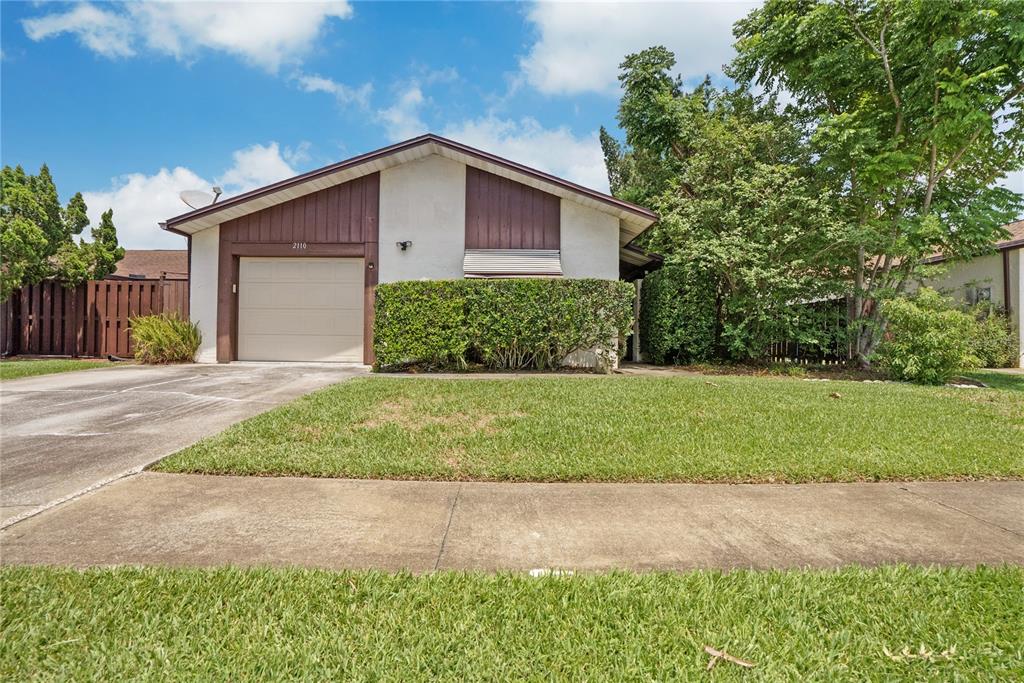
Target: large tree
x,y
739,203
37,234
914,108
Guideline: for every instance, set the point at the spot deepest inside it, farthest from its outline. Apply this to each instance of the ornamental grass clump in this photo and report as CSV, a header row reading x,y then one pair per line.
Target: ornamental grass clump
x,y
165,338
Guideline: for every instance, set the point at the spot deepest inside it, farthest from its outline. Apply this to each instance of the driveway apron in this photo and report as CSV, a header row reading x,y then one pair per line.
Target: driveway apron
x,y
68,433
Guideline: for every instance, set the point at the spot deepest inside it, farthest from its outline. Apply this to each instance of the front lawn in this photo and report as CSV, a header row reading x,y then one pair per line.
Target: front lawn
x,y
625,429
892,623
999,380
14,369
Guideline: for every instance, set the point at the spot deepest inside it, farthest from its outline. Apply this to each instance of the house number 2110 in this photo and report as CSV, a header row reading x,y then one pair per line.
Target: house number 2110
x,y
298,245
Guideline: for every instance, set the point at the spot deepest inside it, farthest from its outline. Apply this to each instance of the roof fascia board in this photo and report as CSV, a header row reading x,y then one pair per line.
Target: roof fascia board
x,y
637,218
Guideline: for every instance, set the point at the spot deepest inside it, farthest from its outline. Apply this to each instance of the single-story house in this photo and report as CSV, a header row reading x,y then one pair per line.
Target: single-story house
x,y
287,271
152,264
997,277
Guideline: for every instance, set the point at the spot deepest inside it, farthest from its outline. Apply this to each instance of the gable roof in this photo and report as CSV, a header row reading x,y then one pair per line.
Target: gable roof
x,y
633,219
153,263
1016,239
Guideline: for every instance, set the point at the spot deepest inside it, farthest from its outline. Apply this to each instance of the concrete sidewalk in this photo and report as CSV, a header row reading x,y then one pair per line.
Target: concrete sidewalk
x,y
171,519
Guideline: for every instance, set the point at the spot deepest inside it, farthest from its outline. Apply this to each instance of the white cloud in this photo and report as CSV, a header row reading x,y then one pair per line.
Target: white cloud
x,y
557,151
448,74
266,35
580,45
402,120
141,201
106,33
345,94
254,167
1013,181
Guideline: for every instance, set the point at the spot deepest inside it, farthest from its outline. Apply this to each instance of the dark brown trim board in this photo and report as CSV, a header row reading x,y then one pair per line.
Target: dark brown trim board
x,y
339,222
1006,282
402,146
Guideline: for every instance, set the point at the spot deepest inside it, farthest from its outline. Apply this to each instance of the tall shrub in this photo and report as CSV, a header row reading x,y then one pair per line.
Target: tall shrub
x,y
677,315
994,339
165,338
927,340
421,322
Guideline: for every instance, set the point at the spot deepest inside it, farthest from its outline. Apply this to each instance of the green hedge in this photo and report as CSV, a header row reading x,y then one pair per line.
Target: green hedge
x,y
503,324
677,315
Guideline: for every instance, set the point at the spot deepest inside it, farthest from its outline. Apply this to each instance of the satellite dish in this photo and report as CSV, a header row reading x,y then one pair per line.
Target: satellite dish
x,y
197,199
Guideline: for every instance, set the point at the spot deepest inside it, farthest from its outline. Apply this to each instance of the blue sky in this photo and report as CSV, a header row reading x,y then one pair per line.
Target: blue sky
x,y
131,104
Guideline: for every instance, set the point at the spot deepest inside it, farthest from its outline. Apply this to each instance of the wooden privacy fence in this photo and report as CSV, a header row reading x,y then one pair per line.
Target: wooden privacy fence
x,y
836,348
91,319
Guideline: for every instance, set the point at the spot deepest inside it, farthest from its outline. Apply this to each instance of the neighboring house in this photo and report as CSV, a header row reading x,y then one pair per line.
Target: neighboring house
x,y
287,272
153,264
996,277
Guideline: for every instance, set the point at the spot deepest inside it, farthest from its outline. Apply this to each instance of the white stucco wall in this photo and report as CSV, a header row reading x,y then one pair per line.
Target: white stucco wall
x,y
987,271
590,242
423,201
983,271
202,297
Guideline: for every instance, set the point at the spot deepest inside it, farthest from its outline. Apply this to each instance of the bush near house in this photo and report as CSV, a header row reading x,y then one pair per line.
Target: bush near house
x,y
505,324
994,339
927,339
165,338
677,315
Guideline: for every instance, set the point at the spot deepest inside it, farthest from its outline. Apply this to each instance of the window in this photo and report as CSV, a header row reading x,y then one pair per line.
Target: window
x,y
977,295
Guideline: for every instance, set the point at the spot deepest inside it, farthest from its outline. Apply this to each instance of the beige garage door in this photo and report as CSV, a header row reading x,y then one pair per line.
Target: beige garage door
x,y
300,309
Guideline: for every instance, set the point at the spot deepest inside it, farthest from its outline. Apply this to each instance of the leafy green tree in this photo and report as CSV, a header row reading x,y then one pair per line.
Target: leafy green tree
x,y
22,240
737,198
914,108
104,247
37,234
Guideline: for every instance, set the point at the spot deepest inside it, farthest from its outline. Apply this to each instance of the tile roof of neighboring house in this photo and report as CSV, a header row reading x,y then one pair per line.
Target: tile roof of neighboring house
x,y
1016,239
153,263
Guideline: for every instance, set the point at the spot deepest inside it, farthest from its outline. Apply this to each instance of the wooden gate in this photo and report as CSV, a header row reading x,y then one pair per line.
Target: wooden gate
x,y
92,319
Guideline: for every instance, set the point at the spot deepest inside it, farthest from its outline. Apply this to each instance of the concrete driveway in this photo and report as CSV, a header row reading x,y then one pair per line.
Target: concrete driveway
x,y
67,433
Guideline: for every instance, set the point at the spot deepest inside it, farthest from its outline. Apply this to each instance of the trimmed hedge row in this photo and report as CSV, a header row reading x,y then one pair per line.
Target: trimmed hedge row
x,y
504,324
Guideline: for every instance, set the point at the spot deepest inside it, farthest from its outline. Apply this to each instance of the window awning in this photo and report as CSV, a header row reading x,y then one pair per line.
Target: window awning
x,y
512,263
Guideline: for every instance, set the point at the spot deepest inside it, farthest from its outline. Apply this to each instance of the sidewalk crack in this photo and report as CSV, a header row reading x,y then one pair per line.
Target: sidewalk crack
x,y
448,526
962,512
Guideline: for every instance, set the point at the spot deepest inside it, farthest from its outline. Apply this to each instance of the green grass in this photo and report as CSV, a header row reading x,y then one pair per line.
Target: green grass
x,y
999,380
233,624
14,369
625,429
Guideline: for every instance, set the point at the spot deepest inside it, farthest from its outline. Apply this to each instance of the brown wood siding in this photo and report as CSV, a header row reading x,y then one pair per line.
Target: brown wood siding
x,y
504,214
338,215
92,319
340,221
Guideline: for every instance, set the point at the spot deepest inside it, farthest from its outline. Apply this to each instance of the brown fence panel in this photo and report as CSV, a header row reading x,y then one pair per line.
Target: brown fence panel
x,y
7,322
174,298
92,319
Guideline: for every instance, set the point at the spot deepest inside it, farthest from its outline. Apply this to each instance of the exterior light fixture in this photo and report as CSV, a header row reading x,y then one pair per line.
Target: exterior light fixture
x,y
404,244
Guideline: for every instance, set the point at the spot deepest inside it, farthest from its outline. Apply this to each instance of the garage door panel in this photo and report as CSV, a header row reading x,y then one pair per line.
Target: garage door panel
x,y
312,294
318,348
301,270
300,309
270,321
